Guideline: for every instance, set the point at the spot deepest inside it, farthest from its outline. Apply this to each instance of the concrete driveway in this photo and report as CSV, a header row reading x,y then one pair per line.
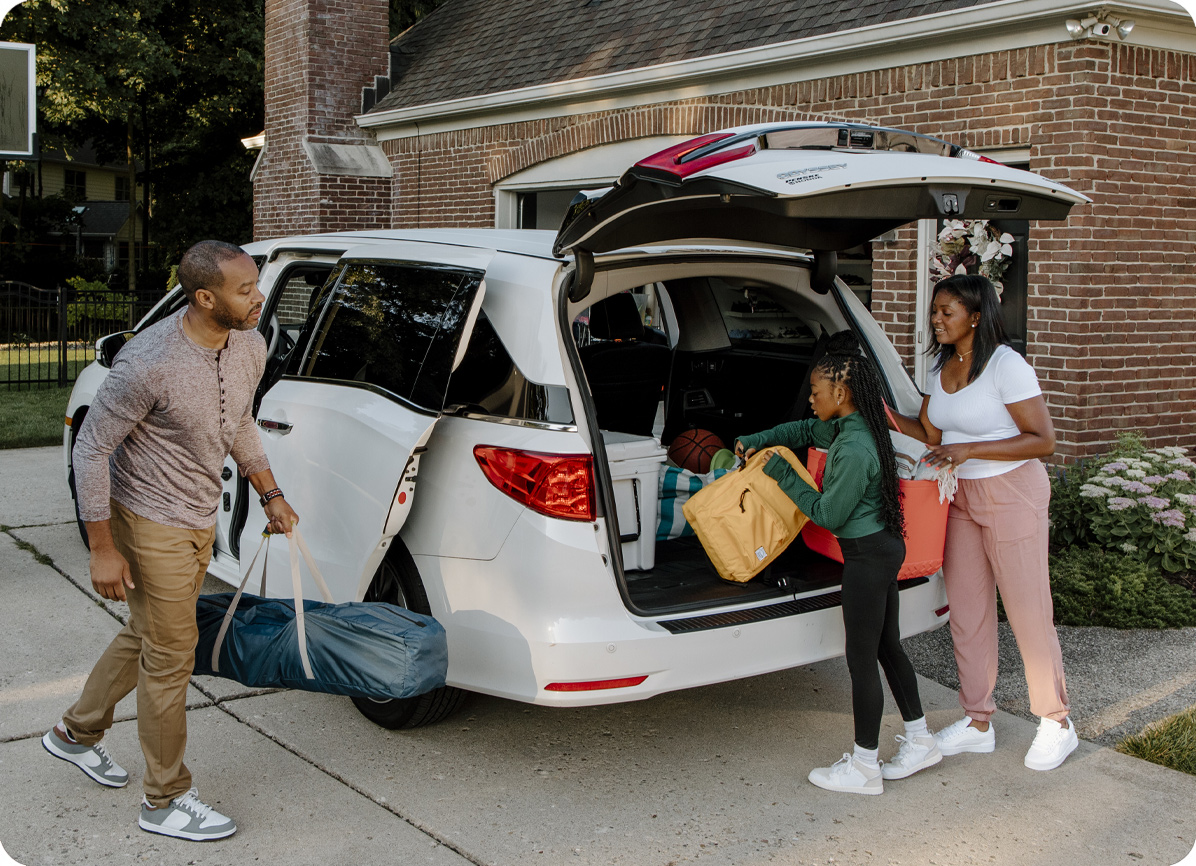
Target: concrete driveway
x,y
713,775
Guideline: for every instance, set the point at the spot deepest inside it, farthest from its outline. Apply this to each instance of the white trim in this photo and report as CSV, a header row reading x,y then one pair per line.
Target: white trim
x,y
1009,156
927,235
1004,25
592,168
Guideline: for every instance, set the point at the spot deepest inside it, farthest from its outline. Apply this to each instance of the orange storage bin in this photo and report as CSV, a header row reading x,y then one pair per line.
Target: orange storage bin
x,y
925,524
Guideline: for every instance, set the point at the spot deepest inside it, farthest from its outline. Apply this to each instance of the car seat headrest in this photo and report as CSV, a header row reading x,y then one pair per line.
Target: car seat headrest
x,y
616,318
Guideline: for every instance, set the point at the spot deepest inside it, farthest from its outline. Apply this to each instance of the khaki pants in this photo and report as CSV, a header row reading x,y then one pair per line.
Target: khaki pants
x,y
997,538
154,653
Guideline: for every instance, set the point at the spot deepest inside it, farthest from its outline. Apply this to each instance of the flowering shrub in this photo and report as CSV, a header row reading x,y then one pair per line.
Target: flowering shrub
x,y
1141,503
969,247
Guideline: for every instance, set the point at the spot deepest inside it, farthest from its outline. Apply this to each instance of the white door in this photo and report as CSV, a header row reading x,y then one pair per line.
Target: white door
x,y
344,425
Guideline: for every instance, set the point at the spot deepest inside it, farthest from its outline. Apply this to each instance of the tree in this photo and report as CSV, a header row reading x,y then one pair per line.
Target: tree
x,y
404,13
97,63
174,83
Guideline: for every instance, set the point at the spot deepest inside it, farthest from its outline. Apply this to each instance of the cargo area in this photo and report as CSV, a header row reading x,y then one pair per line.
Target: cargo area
x,y
727,354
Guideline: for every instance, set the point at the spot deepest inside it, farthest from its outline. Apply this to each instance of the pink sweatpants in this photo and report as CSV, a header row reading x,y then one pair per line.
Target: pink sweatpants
x,y
997,538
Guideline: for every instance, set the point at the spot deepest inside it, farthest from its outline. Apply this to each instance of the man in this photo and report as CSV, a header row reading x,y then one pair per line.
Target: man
x,y
177,402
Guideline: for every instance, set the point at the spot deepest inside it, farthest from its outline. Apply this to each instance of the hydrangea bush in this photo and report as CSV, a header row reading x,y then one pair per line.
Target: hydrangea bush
x,y
1136,501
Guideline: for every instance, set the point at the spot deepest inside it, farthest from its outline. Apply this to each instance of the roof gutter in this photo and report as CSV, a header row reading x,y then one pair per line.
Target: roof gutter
x,y
1004,25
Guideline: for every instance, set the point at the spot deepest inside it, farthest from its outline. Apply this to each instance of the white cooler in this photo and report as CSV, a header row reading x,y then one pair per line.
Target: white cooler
x,y
635,471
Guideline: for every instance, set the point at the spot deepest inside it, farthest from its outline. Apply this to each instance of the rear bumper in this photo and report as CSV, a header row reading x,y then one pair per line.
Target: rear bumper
x,y
518,623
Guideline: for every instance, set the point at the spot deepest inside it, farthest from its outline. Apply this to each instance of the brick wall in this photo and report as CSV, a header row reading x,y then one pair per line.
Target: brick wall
x,y
1112,293
319,54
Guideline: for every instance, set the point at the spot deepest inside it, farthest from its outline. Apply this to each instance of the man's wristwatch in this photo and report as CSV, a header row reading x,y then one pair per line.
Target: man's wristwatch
x,y
268,495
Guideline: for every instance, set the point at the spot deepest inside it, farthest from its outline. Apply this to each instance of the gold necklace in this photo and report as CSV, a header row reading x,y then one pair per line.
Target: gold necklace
x,y
964,355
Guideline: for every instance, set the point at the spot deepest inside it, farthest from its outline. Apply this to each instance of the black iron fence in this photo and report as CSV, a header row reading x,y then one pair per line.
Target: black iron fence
x,y
48,335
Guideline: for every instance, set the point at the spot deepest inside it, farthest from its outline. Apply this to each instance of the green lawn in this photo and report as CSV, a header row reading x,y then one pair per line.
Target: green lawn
x,y
35,362
1171,742
32,417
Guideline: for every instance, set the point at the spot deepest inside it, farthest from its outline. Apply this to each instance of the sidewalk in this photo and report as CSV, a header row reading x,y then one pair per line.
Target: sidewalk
x,y
715,775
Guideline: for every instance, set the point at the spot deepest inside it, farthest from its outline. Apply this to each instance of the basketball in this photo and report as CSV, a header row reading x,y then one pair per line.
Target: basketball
x,y
693,449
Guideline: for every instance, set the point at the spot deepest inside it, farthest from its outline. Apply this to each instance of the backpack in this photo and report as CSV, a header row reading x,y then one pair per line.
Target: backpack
x,y
744,519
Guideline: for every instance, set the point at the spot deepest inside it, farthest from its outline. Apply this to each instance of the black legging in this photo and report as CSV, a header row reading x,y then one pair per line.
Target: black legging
x,y
872,623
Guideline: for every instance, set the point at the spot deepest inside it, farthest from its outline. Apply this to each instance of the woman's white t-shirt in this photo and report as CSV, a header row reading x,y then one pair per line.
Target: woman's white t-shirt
x,y
977,413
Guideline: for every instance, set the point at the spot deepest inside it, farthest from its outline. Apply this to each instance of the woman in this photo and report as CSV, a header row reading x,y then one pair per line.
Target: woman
x,y
860,503
986,417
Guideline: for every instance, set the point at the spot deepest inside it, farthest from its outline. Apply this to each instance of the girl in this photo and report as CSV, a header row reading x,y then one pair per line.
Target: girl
x,y
985,415
859,503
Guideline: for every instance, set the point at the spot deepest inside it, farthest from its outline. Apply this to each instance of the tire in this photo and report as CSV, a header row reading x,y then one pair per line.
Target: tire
x,y
397,581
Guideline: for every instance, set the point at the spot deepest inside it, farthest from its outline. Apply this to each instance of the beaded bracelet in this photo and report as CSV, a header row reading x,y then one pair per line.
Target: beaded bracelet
x,y
268,495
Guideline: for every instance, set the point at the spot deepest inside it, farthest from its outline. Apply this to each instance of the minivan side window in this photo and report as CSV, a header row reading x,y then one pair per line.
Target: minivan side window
x,y
174,302
391,326
488,383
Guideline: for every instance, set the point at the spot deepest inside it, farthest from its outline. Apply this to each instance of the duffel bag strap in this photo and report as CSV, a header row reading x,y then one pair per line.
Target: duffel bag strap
x,y
232,605
297,545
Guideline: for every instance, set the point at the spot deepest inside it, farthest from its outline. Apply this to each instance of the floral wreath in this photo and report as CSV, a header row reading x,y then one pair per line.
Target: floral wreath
x,y
969,247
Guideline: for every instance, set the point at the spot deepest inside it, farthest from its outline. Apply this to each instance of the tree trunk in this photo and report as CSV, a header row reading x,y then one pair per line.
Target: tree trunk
x,y
132,233
145,188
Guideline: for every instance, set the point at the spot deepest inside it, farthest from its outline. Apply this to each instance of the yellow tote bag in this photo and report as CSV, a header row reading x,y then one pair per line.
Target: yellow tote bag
x,y
744,520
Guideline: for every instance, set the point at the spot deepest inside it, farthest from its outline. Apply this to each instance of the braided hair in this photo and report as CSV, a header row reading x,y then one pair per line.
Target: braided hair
x,y
844,364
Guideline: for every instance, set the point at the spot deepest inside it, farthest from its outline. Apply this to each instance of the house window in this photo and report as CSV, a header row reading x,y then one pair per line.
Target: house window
x,y
76,185
122,188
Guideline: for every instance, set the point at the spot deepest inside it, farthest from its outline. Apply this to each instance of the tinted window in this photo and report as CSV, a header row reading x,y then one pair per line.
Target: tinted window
x,y
393,326
174,302
489,383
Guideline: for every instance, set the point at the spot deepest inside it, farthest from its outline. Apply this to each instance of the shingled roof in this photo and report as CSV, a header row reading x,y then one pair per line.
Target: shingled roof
x,y
474,47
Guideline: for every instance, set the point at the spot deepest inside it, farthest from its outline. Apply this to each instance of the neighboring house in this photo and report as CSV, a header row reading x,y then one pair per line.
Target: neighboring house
x,y
100,193
495,114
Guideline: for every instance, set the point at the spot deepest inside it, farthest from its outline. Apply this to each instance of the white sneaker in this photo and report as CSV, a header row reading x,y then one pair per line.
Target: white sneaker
x,y
962,737
1052,744
916,753
848,776
187,817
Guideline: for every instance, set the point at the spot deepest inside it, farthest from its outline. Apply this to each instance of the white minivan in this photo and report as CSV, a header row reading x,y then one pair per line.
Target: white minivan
x,y
472,423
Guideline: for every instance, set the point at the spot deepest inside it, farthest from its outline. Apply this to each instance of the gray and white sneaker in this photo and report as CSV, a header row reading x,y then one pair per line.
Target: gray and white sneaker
x,y
187,817
92,760
915,753
848,776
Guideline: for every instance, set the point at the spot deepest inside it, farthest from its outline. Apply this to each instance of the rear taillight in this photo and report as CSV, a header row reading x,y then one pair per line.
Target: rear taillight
x,y
680,161
558,485
595,685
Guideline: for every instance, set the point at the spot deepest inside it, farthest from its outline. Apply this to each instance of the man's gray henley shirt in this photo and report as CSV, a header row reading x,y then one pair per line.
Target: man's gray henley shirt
x,y
162,423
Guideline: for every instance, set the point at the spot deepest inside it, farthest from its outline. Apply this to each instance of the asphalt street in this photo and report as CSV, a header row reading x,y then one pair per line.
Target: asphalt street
x,y
713,775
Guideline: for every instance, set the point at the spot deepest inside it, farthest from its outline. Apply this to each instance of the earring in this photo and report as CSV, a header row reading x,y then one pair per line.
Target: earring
x,y
973,324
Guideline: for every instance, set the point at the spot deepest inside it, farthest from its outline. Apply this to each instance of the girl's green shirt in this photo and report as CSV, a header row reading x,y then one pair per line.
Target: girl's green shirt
x,y
850,504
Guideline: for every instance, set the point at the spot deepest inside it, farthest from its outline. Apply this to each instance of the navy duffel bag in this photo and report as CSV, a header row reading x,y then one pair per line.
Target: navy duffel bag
x,y
359,649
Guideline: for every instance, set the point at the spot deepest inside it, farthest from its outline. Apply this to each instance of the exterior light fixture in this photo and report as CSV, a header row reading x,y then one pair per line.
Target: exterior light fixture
x,y
1099,25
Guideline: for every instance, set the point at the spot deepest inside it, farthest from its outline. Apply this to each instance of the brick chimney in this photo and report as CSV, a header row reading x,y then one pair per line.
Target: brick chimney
x,y
318,170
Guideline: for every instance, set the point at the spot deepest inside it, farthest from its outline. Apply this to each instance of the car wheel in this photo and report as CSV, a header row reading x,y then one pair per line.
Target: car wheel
x,y
397,581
